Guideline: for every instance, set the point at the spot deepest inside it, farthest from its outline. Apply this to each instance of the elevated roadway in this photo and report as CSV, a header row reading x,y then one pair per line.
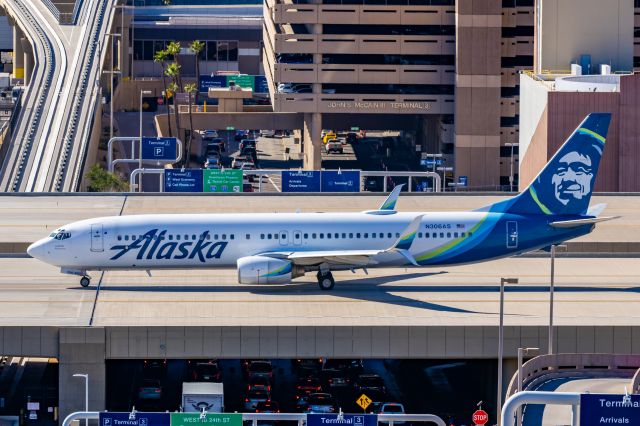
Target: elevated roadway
x,y
47,152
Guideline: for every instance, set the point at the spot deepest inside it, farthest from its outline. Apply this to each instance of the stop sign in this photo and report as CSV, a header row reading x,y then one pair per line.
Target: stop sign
x,y
480,417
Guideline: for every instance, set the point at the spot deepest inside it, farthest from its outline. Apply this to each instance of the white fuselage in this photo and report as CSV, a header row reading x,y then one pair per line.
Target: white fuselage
x,y
219,240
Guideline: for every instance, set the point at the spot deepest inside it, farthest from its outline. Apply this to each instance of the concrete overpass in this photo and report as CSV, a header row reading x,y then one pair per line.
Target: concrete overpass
x,y
440,313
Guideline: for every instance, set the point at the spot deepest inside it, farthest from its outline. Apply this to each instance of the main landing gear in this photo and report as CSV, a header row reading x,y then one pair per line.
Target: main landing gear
x,y
325,280
85,281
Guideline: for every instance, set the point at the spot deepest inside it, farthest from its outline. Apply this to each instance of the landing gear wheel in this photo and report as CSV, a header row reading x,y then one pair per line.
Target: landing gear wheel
x,y
325,281
85,281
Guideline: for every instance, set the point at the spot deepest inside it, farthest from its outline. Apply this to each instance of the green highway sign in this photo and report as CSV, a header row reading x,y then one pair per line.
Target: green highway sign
x,y
230,128
245,81
226,180
217,419
355,129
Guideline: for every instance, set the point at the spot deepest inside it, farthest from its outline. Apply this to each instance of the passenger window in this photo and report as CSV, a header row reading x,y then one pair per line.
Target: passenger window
x,y
224,236
448,234
313,235
170,237
268,236
321,235
186,237
382,235
455,235
248,236
231,237
305,236
336,235
215,237
328,235
389,235
297,235
397,235
193,237
119,238
366,235
350,234
262,236
126,238
426,235
178,237
357,235
419,234
208,236
442,235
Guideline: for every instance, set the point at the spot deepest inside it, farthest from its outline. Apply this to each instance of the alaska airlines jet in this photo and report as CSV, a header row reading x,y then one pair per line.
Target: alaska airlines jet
x,y
270,248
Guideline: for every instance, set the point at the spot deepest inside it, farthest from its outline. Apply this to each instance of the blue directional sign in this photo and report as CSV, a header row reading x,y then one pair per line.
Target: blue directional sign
x,y
261,85
340,181
159,149
188,180
463,180
302,181
348,420
208,81
608,409
139,419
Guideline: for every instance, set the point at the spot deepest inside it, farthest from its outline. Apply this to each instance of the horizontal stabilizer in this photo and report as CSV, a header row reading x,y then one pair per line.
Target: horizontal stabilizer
x,y
581,222
596,210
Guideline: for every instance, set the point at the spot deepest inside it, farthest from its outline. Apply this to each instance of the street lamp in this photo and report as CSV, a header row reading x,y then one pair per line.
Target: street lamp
x,y
444,171
111,73
503,281
142,93
562,247
521,353
86,393
511,175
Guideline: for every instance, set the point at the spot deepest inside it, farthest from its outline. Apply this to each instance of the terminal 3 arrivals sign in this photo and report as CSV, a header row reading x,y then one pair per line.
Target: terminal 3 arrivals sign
x,y
608,409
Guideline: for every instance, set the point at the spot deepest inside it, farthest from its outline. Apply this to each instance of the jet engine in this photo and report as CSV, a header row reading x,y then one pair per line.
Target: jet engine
x,y
267,270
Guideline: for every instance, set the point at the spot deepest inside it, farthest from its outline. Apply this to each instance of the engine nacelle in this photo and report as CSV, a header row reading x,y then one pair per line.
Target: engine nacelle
x,y
267,270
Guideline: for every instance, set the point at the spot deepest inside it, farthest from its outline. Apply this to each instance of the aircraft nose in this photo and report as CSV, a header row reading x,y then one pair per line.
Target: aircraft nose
x,y
36,249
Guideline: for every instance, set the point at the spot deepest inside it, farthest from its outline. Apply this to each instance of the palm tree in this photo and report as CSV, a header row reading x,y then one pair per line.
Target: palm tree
x,y
162,56
191,90
173,71
173,89
173,48
196,47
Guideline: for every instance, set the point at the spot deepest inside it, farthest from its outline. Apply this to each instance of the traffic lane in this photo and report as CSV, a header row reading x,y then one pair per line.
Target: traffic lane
x,y
466,295
33,293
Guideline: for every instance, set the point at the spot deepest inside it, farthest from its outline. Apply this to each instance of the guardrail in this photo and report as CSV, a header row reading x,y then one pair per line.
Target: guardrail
x,y
299,417
550,364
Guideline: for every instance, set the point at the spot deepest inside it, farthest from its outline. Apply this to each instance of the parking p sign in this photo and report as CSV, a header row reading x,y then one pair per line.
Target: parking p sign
x,y
138,419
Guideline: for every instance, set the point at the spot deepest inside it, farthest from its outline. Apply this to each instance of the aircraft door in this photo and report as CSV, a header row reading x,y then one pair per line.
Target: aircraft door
x,y
97,242
284,238
512,234
297,238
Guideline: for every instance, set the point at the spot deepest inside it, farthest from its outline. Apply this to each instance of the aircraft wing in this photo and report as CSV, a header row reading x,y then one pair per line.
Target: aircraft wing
x,y
357,258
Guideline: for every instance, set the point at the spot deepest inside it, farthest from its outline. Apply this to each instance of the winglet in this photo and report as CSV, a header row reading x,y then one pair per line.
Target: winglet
x,y
390,202
408,235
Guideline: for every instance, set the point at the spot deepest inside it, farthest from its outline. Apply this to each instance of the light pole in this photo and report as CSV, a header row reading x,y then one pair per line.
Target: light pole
x,y
503,281
551,293
86,393
444,171
111,73
142,93
511,174
521,353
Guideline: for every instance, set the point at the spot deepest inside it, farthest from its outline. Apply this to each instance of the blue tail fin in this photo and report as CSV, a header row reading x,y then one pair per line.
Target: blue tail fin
x,y
566,183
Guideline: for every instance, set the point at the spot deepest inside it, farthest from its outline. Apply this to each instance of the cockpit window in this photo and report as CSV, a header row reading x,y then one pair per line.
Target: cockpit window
x,y
60,235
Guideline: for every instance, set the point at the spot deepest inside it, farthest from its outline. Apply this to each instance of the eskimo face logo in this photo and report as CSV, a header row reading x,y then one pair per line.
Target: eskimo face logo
x,y
153,245
573,177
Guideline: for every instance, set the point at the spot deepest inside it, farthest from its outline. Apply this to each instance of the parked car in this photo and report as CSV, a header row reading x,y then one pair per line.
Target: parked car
x,y
371,383
320,403
333,145
245,143
207,372
267,407
150,389
216,142
335,379
260,368
254,397
213,162
391,408
259,383
209,134
306,386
